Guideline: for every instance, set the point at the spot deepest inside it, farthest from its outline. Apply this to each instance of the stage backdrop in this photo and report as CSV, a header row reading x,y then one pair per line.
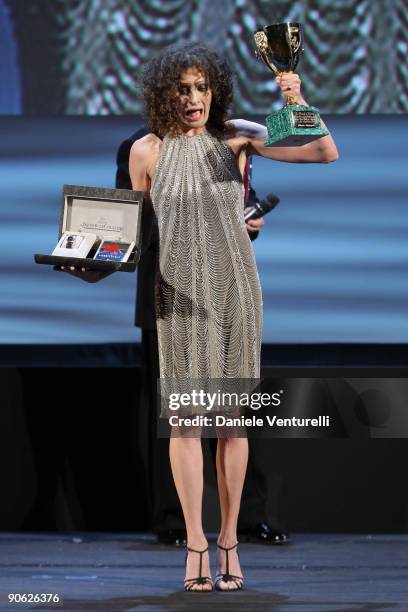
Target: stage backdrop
x,y
84,57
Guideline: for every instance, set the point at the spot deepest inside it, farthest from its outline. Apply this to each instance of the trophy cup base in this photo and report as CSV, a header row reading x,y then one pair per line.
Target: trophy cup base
x,y
294,126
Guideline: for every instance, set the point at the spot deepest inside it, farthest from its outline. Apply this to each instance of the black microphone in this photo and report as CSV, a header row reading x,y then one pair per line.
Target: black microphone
x,y
259,208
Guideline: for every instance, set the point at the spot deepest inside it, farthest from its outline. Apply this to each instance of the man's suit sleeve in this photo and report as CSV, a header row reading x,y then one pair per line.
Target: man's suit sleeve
x,y
122,160
145,310
122,165
123,182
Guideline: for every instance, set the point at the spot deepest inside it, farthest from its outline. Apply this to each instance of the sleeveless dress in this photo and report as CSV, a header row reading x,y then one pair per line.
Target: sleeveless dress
x,y
208,296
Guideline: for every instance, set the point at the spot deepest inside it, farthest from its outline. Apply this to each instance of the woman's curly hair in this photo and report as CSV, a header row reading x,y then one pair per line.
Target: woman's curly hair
x,y
160,80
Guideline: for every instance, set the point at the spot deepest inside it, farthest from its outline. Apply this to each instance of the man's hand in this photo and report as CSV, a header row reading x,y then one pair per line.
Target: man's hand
x,y
254,225
89,276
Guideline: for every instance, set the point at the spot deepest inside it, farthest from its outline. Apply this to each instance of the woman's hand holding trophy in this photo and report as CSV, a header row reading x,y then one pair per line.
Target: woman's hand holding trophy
x,y
280,46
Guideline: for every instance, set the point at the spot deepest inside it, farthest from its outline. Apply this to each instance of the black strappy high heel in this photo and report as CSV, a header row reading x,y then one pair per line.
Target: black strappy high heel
x,y
190,582
227,577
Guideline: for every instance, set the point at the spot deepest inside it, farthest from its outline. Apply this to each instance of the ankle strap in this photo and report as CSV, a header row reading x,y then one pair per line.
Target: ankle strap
x,y
227,572
200,552
227,549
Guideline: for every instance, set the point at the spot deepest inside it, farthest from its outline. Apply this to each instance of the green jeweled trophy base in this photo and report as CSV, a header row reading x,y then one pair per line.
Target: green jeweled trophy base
x,y
293,126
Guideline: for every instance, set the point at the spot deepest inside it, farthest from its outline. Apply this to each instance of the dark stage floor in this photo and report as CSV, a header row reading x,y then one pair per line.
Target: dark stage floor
x,y
122,572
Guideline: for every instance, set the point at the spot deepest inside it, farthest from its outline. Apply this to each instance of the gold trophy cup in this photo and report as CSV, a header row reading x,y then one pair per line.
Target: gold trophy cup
x,y
280,46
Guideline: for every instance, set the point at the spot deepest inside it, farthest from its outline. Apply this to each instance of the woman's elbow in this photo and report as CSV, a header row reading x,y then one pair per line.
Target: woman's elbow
x,y
329,156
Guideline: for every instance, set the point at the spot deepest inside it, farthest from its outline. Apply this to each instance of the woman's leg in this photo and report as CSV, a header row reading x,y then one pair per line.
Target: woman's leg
x,y
186,459
232,458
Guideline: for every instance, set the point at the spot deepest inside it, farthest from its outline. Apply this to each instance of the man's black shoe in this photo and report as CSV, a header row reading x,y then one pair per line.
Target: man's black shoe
x,y
263,533
174,537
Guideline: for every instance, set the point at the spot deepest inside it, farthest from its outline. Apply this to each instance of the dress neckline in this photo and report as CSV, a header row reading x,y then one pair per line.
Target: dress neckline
x,y
193,136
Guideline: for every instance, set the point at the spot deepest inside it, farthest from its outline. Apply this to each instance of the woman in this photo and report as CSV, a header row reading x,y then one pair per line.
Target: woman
x,y
208,298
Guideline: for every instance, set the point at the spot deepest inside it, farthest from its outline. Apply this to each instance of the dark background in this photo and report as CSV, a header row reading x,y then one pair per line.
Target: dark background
x,y
72,451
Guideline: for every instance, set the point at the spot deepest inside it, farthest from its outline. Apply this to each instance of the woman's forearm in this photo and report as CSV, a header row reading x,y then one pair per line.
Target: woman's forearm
x,y
323,148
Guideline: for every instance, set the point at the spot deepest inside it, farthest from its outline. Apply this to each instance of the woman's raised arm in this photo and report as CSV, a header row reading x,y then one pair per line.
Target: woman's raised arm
x,y
322,150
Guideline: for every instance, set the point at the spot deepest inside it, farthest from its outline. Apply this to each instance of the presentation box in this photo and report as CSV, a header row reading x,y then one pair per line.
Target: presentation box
x,y
100,229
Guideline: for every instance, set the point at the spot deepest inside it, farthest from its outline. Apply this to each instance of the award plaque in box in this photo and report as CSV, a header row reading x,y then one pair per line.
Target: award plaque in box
x,y
92,217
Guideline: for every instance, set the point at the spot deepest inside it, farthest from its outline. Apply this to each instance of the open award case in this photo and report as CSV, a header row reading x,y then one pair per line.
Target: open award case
x,y
99,229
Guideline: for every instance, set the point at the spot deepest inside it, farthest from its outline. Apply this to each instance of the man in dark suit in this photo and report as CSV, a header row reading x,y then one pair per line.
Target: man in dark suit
x,y
167,519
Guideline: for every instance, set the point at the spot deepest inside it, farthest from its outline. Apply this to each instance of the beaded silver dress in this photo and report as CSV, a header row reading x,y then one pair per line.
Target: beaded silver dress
x,y
208,296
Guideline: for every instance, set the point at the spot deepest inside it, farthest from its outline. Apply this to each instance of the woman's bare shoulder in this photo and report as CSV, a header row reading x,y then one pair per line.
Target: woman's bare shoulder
x,y
142,161
146,148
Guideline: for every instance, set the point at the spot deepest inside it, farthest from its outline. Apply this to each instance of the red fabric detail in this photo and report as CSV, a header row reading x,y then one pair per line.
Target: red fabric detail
x,y
246,181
